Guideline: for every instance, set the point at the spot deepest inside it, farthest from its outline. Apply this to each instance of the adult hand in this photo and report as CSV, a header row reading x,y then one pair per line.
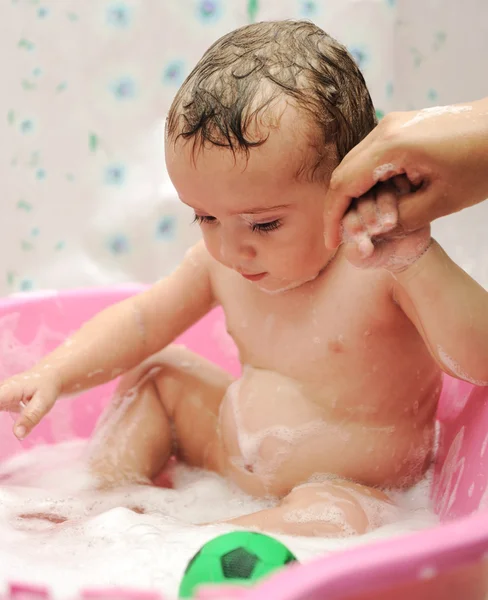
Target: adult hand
x,y
441,151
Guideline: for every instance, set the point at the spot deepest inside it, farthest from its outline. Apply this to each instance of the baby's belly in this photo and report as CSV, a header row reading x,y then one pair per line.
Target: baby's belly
x,y
275,436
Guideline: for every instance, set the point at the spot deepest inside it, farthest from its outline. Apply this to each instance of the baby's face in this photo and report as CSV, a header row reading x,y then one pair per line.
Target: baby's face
x,y
256,216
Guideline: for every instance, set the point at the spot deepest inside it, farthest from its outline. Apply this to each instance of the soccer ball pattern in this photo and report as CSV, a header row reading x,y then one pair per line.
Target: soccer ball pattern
x,y
239,557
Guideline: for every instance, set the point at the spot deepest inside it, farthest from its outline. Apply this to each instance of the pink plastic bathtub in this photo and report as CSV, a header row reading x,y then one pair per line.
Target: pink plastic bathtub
x,y
446,561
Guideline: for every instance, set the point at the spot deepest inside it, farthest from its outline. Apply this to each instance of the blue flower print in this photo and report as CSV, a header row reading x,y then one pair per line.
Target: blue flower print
x,y
439,40
252,10
124,88
26,285
119,244
174,72
26,45
166,227
209,10
359,55
26,126
115,174
119,15
42,12
41,174
308,8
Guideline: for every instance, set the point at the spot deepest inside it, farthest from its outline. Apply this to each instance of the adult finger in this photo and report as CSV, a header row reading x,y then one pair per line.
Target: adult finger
x,y
419,208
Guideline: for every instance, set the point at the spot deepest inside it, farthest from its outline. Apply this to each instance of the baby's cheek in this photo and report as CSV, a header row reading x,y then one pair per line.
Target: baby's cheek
x,y
213,246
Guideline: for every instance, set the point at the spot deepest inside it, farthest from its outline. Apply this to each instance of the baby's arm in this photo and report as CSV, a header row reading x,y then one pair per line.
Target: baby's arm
x,y
450,311
115,340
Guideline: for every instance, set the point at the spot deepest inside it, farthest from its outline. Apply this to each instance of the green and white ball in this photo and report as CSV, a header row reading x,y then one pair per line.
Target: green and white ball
x,y
236,558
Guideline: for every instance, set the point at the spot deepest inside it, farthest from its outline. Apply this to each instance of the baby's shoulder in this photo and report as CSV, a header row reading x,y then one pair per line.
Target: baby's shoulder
x,y
352,278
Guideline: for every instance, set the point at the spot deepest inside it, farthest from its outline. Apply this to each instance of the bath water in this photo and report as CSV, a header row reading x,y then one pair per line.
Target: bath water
x,y
137,536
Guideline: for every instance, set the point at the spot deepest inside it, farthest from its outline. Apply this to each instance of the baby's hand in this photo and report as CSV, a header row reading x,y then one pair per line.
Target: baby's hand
x,y
32,394
372,236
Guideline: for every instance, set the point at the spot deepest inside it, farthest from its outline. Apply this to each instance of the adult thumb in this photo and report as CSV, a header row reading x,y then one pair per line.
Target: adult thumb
x,y
416,210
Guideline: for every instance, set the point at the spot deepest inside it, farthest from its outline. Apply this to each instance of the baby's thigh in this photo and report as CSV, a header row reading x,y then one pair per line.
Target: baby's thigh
x,y
167,404
335,508
191,390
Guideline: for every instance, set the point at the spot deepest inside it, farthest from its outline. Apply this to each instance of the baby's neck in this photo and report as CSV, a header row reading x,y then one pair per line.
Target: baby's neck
x,y
301,283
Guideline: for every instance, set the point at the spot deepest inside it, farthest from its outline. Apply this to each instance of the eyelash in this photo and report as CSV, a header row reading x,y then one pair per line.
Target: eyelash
x,y
259,227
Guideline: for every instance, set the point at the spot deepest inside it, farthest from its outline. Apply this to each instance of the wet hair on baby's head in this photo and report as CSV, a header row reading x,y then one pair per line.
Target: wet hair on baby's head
x,y
242,76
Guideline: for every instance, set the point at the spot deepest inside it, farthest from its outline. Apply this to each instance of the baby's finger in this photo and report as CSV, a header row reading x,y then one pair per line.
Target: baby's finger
x,y
352,226
387,206
354,232
31,415
368,213
10,396
16,409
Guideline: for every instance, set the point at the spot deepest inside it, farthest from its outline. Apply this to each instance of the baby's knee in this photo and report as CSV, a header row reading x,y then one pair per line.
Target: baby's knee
x,y
337,508
158,368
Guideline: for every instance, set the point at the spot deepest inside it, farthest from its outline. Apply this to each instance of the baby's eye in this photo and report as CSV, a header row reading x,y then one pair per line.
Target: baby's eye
x,y
266,227
204,219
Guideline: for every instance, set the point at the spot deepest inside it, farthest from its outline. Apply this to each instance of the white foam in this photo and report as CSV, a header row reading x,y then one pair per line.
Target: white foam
x,y
436,111
290,286
141,326
456,368
384,172
295,284
118,546
451,474
321,513
17,356
484,445
427,573
95,372
250,442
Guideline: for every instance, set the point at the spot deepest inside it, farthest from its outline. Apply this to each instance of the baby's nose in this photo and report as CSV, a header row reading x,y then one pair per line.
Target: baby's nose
x,y
234,250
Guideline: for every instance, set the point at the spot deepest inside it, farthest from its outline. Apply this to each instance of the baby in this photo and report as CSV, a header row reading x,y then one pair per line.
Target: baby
x,y
342,351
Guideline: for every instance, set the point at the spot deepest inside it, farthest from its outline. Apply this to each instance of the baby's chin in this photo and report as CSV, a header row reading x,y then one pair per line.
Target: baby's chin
x,y
280,286
275,285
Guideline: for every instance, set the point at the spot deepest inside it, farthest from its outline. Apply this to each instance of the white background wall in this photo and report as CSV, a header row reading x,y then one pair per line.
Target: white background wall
x,y
85,89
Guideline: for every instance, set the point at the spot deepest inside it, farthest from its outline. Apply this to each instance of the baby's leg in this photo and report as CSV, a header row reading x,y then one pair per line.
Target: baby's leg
x,y
168,403
335,508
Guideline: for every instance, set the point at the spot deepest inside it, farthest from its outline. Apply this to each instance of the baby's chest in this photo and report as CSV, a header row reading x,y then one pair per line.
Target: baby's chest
x,y
305,338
